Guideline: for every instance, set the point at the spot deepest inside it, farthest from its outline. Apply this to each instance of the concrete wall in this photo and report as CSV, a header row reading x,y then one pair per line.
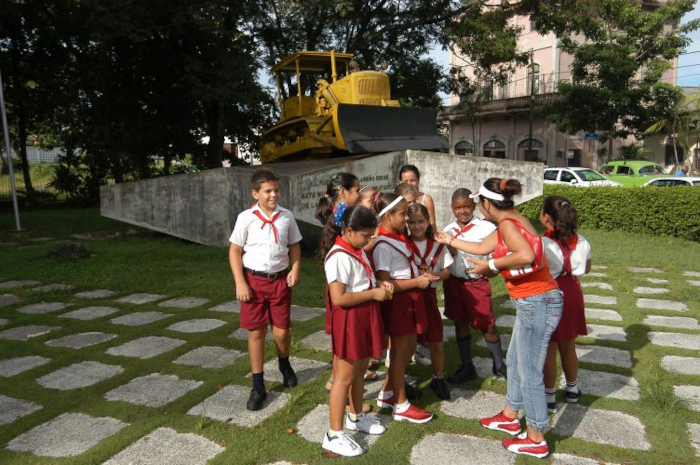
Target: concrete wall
x,y
202,207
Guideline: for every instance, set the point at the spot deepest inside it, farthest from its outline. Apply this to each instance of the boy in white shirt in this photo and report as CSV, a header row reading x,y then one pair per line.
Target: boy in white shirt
x,y
264,243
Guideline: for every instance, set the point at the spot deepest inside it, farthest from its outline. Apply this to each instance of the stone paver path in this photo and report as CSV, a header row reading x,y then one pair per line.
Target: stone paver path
x,y
228,307
79,375
315,424
22,333
610,385
90,313
659,304
472,405
209,357
693,283
11,409
601,426
78,341
153,390
9,299
457,449
96,294
599,299
184,302
140,298
42,307
196,326
228,406
242,335
694,430
634,269
53,288
601,314
317,341
604,356
305,313
683,341
146,347
167,446
604,286
139,318
16,284
690,394
596,274
608,333
14,366
682,365
672,322
68,435
650,290
306,370
692,274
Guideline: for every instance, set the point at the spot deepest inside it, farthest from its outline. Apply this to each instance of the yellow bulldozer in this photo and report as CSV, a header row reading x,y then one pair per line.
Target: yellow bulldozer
x,y
350,112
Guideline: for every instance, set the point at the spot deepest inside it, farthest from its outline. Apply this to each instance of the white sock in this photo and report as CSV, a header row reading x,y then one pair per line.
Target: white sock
x,y
401,408
333,434
571,387
353,416
385,394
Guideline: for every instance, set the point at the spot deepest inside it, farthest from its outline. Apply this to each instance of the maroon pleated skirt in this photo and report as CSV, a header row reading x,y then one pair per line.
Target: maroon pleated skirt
x,y
573,317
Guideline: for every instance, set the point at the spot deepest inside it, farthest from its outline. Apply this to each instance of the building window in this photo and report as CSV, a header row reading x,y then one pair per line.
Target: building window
x,y
533,79
529,149
464,147
533,25
495,149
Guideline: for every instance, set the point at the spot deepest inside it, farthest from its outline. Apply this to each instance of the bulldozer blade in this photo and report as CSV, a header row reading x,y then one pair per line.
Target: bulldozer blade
x,y
369,128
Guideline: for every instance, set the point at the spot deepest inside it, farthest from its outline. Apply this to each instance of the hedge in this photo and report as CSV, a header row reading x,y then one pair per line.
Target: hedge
x,y
659,211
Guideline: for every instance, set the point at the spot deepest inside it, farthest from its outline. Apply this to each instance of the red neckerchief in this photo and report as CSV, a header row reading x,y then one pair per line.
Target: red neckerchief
x,y
357,253
428,249
459,232
397,237
270,222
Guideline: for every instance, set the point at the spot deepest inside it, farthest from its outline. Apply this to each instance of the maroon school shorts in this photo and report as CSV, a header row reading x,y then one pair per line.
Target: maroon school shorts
x,y
270,303
469,301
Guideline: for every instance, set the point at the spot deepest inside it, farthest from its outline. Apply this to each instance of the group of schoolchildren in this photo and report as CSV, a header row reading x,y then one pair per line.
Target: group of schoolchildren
x,y
383,257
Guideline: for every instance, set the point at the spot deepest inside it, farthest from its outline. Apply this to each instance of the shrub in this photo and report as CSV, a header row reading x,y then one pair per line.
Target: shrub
x,y
659,211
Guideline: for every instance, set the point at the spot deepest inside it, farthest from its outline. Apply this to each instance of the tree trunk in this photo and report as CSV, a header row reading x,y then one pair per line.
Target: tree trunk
x,y
215,131
167,161
674,139
21,122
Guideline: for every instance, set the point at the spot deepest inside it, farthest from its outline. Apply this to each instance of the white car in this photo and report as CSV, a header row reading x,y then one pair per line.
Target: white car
x,y
673,181
576,176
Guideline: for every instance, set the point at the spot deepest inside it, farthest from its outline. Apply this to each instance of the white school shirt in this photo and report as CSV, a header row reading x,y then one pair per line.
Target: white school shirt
x,y
386,258
481,230
260,251
579,256
444,261
347,270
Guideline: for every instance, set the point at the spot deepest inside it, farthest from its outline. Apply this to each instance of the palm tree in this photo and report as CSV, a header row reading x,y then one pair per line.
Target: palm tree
x,y
683,121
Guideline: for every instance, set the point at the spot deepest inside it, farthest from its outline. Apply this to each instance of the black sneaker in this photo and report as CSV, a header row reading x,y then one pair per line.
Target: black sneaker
x,y
256,399
412,393
440,388
289,378
552,407
500,372
573,397
464,373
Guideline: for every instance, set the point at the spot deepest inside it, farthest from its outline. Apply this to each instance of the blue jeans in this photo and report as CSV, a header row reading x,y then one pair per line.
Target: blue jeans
x,y
536,319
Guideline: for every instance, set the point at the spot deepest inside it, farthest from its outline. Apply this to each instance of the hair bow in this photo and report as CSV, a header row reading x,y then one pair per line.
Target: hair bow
x,y
338,213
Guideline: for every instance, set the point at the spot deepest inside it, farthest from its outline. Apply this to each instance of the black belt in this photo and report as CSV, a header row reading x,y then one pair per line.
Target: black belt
x,y
262,274
468,280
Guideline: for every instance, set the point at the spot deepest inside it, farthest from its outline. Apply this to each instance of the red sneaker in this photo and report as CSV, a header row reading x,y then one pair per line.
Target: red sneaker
x,y
526,446
414,415
501,422
386,403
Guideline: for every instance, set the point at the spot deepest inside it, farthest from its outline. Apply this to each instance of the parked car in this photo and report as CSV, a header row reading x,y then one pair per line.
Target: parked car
x,y
632,172
672,181
575,176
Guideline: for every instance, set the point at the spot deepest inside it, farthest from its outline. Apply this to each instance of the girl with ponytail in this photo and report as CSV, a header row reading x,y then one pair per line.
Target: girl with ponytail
x,y
569,256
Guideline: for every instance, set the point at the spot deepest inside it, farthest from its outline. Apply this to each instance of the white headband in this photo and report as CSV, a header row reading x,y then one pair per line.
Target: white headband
x,y
484,192
390,206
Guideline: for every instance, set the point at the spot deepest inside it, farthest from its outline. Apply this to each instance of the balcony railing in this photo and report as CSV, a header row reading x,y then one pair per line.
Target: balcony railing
x,y
496,107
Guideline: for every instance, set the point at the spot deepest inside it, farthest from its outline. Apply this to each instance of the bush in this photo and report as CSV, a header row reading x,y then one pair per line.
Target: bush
x,y
659,211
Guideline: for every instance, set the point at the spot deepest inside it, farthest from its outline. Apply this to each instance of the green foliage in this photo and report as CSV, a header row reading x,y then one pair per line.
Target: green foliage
x,y
648,210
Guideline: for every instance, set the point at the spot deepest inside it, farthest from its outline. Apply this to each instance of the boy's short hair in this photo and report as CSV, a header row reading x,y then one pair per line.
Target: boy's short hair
x,y
461,194
405,189
260,176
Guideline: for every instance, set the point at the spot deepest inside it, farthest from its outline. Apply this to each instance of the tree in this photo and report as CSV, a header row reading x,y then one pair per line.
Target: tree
x,y
681,121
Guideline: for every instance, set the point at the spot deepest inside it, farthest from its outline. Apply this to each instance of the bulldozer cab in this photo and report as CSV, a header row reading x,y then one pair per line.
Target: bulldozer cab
x,y
296,77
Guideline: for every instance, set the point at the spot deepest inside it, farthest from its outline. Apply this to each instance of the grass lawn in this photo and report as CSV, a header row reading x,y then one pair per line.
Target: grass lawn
x,y
127,260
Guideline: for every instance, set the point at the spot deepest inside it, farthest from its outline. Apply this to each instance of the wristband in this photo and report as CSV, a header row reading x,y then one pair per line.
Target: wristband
x,y
492,265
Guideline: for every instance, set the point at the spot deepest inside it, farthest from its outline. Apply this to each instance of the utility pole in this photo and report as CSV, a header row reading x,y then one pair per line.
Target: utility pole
x,y
9,156
532,103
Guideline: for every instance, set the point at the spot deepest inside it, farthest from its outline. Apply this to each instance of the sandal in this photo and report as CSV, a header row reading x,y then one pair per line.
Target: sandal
x,y
371,376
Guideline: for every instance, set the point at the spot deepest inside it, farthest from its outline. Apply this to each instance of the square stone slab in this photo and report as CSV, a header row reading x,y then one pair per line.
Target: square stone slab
x,y
656,280
317,341
197,326
595,274
599,299
78,341
694,283
14,366
4,321
209,357
472,405
650,290
67,435
23,333
690,394
505,321
634,269
694,430
658,304
96,294
8,299
448,332
604,356
53,288
566,459
18,283
601,427
11,409
90,313
141,298
42,307
146,347
242,335
600,314
682,365
306,370
184,302
608,333
604,286
228,406
228,307
305,313
692,274
682,341
314,426
672,321
154,390
454,449
167,446
139,318
610,385
599,267
79,375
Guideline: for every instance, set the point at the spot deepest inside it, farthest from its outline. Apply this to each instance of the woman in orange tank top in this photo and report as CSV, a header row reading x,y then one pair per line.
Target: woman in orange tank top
x,y
518,255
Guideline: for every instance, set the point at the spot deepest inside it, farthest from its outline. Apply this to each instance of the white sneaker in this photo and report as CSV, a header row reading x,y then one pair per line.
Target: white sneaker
x,y
364,424
342,444
422,356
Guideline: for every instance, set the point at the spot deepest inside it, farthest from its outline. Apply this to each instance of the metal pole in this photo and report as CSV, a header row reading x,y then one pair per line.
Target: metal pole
x,y
532,104
9,155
